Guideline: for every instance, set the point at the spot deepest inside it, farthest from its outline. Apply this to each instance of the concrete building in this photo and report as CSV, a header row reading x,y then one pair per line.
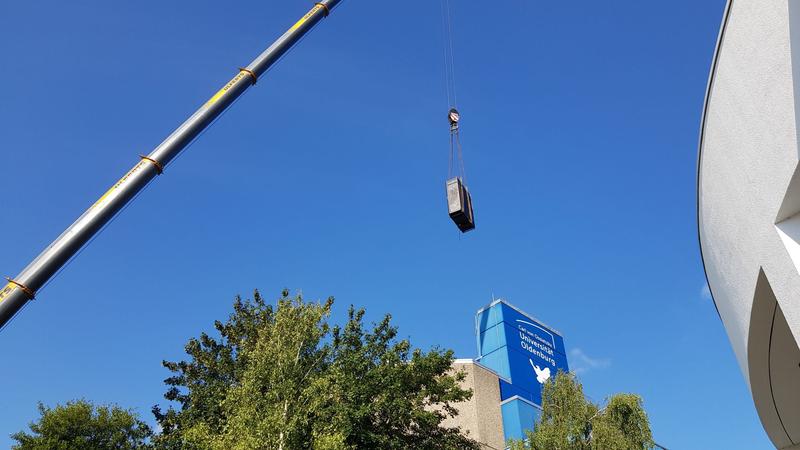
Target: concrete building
x,y
749,202
517,354
481,416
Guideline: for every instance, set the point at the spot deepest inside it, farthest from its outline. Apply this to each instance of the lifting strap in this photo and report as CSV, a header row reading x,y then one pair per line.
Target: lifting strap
x,y
456,163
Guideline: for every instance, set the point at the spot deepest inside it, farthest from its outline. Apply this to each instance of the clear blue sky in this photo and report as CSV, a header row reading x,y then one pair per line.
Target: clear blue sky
x,y
580,124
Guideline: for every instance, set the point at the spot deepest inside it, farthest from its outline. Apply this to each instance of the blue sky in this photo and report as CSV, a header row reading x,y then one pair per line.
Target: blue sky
x,y
580,124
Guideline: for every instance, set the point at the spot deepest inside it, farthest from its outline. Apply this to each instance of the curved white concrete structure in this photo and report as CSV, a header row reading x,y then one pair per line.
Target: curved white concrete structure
x,y
749,202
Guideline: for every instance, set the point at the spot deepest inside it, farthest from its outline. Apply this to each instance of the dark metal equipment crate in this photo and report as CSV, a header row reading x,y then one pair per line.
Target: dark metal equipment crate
x,y
459,204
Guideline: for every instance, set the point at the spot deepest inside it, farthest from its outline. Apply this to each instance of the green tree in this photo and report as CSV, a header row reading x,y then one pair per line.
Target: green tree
x,y
387,395
571,422
282,378
80,425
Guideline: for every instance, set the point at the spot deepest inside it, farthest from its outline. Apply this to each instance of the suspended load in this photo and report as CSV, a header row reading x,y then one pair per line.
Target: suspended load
x,y
459,202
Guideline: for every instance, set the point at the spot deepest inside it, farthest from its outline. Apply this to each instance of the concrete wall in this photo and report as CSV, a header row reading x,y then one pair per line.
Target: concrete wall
x,y
480,417
749,200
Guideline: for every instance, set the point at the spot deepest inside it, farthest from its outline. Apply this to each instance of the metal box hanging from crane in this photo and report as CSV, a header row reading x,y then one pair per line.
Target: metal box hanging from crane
x,y
459,205
459,202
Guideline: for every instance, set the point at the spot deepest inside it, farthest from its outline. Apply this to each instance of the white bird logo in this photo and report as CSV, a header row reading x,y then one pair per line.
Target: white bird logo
x,y
542,375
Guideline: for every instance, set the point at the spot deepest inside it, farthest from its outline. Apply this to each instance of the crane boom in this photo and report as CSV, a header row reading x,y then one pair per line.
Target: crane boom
x,y
24,286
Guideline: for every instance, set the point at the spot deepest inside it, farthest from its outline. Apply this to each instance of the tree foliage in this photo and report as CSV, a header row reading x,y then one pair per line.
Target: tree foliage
x,y
283,378
386,394
569,421
80,425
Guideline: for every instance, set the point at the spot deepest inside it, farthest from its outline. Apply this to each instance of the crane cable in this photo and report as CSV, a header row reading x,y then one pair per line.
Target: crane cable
x,y
456,159
449,57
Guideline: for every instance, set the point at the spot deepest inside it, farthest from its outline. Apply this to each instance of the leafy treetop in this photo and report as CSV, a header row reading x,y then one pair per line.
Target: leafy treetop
x,y
283,378
80,425
569,421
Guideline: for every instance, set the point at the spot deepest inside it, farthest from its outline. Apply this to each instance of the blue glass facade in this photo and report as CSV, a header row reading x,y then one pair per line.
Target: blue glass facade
x,y
525,353
518,416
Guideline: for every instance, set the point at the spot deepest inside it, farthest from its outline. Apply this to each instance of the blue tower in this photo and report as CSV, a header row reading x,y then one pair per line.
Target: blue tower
x,y
525,353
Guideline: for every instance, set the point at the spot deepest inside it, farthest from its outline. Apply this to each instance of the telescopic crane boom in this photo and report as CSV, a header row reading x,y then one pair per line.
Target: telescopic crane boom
x,y
23,287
